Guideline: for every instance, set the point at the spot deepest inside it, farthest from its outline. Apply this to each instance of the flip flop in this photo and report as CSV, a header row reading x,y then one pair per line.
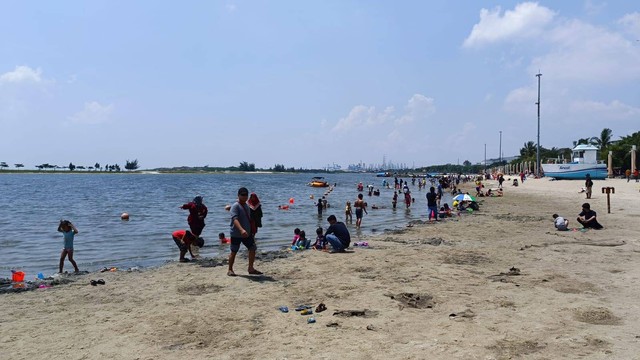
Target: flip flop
x,y
284,309
255,272
93,283
231,273
100,281
320,308
303,307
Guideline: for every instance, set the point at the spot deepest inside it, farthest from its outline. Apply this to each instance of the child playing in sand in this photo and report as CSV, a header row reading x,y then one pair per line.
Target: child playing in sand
x,y
68,231
560,223
320,243
296,236
348,213
223,240
303,242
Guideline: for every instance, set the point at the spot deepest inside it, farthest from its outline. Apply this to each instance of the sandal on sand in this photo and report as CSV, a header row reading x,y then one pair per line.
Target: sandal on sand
x,y
100,281
231,273
320,308
303,307
255,272
93,283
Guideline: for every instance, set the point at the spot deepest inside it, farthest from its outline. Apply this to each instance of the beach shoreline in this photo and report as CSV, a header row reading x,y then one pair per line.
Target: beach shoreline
x,y
497,284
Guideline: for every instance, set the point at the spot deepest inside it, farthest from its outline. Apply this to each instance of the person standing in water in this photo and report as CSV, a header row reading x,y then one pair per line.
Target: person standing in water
x,y
68,231
197,213
361,207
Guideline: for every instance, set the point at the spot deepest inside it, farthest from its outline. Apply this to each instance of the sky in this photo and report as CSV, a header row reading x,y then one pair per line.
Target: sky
x,y
310,83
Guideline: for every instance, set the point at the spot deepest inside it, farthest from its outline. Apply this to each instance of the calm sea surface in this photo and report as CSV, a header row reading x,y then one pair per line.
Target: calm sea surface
x,y
31,206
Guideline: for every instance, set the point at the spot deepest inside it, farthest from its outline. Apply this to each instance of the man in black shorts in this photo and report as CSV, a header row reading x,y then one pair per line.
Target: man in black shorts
x,y
241,232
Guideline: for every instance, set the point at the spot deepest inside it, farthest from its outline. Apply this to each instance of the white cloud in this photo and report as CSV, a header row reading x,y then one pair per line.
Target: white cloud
x,y
527,20
615,110
463,136
592,8
518,98
22,74
93,113
588,53
419,107
631,23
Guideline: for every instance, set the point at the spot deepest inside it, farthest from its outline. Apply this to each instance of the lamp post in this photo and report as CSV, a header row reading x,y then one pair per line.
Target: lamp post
x,y
485,159
500,154
538,144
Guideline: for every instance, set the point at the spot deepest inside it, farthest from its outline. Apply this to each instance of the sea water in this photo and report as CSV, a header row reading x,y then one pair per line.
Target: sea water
x,y
31,206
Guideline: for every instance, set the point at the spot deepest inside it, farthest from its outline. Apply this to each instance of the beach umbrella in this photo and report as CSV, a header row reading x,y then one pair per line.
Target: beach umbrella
x,y
464,197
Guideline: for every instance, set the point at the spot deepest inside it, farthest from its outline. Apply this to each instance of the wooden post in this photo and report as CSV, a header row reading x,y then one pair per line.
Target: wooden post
x,y
608,191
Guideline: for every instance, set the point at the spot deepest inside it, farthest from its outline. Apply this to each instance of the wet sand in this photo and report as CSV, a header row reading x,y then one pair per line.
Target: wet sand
x,y
500,283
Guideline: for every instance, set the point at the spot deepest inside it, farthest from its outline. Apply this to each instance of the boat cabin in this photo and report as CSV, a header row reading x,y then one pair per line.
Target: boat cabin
x,y
585,154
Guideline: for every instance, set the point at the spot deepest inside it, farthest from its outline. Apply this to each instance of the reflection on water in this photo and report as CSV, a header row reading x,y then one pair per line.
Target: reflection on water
x,y
31,205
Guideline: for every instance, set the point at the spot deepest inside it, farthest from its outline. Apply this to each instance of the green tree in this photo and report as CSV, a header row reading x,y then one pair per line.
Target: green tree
x,y
18,165
71,167
3,165
131,165
245,166
97,166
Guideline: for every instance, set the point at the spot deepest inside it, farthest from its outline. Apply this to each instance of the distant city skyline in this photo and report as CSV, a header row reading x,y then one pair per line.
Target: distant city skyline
x,y
310,84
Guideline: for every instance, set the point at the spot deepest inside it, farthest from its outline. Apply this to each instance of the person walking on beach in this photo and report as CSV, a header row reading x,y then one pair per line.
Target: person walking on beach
x,y
627,174
241,232
68,231
185,239
337,234
588,183
361,207
197,213
636,174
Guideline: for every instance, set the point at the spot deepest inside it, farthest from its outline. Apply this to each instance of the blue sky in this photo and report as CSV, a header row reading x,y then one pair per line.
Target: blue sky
x,y
310,83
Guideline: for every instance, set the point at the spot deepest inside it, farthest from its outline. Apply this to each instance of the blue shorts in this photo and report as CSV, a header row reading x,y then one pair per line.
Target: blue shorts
x,y
249,242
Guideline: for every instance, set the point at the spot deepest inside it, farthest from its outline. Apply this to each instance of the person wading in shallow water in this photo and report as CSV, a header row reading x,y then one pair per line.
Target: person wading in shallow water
x,y
241,232
197,213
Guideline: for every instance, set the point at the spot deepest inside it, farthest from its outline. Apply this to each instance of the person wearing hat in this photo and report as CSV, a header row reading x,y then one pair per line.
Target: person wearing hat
x,y
197,213
184,239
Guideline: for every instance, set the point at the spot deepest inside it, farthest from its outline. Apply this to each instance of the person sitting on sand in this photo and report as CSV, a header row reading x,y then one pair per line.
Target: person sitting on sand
x,y
296,236
303,242
499,193
337,234
447,210
588,218
184,239
560,223
320,243
515,182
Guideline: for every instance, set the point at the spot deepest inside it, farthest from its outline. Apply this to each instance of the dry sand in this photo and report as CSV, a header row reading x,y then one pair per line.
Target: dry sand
x,y
575,295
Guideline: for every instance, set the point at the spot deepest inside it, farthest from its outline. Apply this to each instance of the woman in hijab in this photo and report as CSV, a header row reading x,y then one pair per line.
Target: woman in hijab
x,y
255,212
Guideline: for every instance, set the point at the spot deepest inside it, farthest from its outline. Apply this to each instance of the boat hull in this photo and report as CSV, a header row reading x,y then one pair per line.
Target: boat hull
x,y
575,171
318,184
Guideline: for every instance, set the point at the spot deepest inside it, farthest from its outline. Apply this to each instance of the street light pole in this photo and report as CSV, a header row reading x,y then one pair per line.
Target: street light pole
x,y
500,154
538,145
485,159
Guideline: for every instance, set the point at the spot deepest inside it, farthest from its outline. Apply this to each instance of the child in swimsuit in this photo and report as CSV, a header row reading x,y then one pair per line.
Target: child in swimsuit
x,y
347,213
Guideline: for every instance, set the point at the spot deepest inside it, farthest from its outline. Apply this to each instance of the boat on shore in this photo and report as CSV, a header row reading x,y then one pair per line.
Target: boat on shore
x,y
318,181
585,161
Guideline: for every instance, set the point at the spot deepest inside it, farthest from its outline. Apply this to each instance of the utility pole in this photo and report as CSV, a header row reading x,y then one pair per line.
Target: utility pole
x,y
485,159
500,154
538,145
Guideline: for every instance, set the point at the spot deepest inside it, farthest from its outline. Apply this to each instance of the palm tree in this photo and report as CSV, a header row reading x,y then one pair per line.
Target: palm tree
x,y
604,140
528,151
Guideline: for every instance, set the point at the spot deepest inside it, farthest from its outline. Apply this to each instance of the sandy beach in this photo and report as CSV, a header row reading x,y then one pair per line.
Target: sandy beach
x,y
501,283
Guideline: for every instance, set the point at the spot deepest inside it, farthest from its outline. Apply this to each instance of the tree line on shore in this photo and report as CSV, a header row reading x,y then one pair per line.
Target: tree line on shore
x,y
130,165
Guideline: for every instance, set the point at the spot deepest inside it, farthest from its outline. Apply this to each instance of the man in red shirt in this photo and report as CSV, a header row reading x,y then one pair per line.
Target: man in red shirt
x,y
184,239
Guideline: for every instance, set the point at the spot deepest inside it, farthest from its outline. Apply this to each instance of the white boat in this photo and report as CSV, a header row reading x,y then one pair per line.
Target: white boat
x,y
585,161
